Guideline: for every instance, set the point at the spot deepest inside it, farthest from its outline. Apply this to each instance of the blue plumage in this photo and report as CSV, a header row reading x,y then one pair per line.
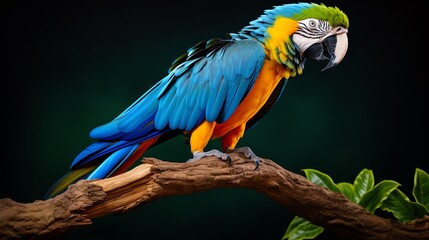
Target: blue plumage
x,y
288,10
112,162
82,158
209,84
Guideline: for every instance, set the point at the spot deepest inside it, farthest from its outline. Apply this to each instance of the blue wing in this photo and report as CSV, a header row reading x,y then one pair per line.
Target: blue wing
x,y
207,83
209,87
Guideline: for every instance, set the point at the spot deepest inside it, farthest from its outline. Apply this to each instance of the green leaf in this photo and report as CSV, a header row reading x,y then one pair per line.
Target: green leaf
x,y
402,208
348,190
321,179
375,197
363,183
421,187
299,229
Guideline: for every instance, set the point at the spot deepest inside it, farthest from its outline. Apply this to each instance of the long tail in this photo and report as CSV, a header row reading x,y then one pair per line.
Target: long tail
x,y
117,163
66,180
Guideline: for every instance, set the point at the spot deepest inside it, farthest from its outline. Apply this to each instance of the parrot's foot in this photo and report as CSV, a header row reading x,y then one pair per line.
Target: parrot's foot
x,y
248,153
214,152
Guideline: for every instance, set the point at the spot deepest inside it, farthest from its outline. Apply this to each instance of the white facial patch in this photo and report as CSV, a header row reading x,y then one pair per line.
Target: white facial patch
x,y
303,43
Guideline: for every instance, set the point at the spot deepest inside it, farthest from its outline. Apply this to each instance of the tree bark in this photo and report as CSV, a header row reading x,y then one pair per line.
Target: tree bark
x,y
154,179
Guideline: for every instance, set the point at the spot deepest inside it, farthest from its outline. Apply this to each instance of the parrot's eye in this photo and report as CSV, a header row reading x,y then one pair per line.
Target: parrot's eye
x,y
312,23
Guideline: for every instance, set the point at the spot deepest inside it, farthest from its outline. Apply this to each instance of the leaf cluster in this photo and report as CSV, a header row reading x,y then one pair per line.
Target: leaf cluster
x,y
385,196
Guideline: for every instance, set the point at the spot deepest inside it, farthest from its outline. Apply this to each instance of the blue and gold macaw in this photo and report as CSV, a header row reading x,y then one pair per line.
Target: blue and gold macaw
x,y
218,89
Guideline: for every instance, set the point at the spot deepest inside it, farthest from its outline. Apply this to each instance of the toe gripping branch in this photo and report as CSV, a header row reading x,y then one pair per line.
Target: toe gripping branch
x,y
248,153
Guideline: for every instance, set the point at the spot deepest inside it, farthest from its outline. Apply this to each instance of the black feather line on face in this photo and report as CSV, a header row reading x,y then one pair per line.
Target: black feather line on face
x,y
313,32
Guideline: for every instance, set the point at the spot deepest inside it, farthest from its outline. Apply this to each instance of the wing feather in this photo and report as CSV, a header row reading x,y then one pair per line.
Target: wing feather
x,y
206,84
216,82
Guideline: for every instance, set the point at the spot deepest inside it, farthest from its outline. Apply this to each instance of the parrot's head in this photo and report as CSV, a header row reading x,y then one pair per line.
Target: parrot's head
x,y
322,33
293,32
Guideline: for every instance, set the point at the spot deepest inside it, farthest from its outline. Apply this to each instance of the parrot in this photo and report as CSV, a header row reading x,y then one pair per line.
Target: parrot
x,y
219,88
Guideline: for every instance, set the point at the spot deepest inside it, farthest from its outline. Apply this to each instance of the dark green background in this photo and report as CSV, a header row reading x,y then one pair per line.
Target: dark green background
x,y
67,68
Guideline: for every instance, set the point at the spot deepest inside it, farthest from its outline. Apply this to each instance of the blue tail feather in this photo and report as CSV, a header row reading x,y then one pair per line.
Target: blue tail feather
x,y
81,159
112,162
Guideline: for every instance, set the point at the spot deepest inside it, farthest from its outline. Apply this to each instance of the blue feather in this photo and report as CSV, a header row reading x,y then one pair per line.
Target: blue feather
x,y
110,163
211,112
107,132
91,149
233,99
145,128
124,159
203,96
165,107
185,116
288,10
231,70
193,118
183,85
140,117
176,116
198,66
165,84
121,144
221,96
179,70
192,96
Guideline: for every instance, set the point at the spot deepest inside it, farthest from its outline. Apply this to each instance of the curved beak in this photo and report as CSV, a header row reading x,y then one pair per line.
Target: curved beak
x,y
333,48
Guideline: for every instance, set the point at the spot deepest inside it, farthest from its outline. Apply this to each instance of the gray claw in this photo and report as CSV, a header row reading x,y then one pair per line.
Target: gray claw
x,y
229,161
257,164
248,153
214,152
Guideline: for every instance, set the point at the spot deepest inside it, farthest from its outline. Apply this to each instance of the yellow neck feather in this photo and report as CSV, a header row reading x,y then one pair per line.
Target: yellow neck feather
x,y
278,35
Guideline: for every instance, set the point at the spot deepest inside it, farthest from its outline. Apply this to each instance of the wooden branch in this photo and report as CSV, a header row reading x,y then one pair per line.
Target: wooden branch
x,y
154,179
